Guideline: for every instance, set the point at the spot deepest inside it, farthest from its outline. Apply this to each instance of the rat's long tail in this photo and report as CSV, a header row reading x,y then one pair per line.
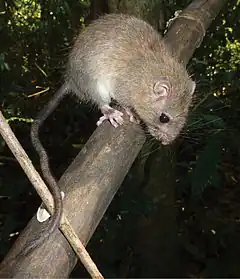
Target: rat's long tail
x,y
46,172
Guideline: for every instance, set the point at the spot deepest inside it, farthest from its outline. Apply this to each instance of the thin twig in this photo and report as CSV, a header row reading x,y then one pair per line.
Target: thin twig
x,y
46,196
39,92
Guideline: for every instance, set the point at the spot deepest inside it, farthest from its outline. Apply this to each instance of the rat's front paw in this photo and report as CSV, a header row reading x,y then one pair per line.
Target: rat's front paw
x,y
111,114
132,118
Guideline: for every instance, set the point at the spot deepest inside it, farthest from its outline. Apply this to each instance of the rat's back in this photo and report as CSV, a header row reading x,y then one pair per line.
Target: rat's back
x,y
116,33
105,48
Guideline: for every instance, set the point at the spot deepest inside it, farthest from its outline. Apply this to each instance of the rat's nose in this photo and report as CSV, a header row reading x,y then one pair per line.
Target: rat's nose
x,y
165,140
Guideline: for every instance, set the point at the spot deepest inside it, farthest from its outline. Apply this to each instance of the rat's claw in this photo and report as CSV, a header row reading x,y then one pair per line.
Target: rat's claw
x,y
113,115
113,122
101,119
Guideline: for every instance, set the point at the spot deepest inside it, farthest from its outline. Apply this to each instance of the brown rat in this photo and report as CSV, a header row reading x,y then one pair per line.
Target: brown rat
x,y
122,58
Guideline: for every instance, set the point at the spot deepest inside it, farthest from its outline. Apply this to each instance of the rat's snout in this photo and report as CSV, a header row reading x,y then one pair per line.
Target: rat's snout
x,y
165,140
162,135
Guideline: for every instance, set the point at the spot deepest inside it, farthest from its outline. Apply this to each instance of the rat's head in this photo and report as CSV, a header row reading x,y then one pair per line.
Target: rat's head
x,y
165,109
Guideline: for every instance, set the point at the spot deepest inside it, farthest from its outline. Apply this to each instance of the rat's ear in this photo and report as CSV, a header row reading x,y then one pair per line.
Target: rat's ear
x,y
161,87
192,86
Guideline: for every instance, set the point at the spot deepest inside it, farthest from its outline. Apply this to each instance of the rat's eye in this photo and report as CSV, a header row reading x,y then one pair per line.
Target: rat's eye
x,y
164,118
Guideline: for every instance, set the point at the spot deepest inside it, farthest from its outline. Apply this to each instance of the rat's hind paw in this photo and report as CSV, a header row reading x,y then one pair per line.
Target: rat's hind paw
x,y
113,115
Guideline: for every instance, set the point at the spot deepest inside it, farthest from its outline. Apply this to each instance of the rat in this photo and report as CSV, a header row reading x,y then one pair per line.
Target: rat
x,y
122,58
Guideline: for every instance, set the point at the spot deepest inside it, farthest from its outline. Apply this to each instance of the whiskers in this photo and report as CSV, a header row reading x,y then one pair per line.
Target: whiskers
x,y
198,130
152,146
192,139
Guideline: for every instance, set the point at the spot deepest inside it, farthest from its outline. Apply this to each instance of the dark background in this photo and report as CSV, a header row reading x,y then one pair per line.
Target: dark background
x,y
35,37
